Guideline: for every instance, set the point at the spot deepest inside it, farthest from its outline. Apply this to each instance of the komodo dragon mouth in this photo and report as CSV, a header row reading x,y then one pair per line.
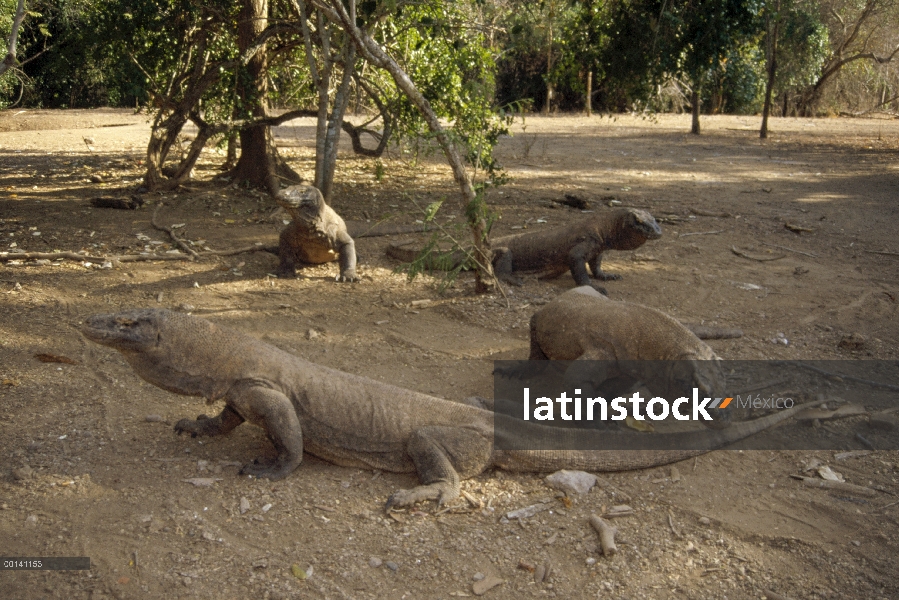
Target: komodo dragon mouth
x,y
132,331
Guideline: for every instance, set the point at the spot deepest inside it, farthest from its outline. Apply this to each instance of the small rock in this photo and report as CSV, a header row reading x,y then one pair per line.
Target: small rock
x,y
244,505
571,482
483,586
374,562
886,422
266,507
391,565
675,474
539,574
591,561
527,511
853,341
312,334
203,481
25,472
31,519
202,465
705,521
526,566
187,307
477,577
829,474
153,418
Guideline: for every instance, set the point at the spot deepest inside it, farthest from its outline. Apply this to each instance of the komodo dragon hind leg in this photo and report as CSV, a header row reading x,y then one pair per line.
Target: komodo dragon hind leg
x,y
502,267
442,456
219,425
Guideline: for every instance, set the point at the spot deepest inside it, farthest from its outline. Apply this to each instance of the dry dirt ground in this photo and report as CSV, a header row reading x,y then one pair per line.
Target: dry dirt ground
x,y
92,467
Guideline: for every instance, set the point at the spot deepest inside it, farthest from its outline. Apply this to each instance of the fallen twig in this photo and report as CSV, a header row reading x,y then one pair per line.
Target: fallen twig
x,y
606,535
6,257
883,252
810,254
707,213
703,232
756,258
797,229
840,486
671,524
181,243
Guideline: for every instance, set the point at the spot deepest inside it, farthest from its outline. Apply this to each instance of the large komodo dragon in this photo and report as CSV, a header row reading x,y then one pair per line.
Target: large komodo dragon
x,y
343,418
628,341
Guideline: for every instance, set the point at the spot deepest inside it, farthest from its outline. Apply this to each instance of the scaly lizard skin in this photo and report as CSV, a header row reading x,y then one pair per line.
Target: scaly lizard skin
x,y
316,235
347,419
584,325
573,247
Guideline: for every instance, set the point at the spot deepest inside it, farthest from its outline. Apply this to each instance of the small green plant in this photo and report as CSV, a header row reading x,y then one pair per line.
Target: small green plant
x,y
444,256
379,171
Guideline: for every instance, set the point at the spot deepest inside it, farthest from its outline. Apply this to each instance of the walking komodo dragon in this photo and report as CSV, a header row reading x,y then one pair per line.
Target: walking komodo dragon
x,y
569,247
342,418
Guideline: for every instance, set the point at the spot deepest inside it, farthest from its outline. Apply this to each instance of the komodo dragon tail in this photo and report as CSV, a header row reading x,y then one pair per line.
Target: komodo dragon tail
x,y
695,443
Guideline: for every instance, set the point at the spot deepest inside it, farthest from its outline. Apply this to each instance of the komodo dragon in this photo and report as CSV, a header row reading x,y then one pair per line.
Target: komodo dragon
x,y
574,246
571,247
584,325
317,234
342,418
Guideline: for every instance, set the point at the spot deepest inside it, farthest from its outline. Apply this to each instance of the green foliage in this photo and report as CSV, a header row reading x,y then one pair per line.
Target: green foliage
x,y
445,265
741,80
803,46
447,57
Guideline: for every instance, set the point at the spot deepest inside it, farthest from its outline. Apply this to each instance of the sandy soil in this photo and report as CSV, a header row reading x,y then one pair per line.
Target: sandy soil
x,y
86,473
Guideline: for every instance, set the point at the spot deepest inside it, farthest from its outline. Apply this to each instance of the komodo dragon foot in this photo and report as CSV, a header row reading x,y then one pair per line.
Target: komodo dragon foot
x,y
273,469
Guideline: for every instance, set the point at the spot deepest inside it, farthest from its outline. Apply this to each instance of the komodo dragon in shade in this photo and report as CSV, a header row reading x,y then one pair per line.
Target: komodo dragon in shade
x,y
575,246
342,418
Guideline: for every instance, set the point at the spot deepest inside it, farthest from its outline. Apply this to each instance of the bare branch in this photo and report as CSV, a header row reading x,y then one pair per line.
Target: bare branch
x,y
10,60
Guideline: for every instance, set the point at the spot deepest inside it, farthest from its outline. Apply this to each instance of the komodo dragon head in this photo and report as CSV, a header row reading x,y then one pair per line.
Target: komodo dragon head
x,y
177,352
304,203
643,223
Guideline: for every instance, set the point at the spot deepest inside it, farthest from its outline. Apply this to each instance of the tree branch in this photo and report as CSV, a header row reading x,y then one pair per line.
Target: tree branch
x,y
10,60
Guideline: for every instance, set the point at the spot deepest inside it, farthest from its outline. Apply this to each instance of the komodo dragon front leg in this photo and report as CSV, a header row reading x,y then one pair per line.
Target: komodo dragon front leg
x,y
443,456
268,408
598,273
578,258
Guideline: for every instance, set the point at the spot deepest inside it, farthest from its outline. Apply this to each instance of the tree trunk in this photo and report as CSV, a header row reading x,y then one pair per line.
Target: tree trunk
x,y
374,53
694,98
772,71
259,163
590,93
10,60
549,58
341,99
